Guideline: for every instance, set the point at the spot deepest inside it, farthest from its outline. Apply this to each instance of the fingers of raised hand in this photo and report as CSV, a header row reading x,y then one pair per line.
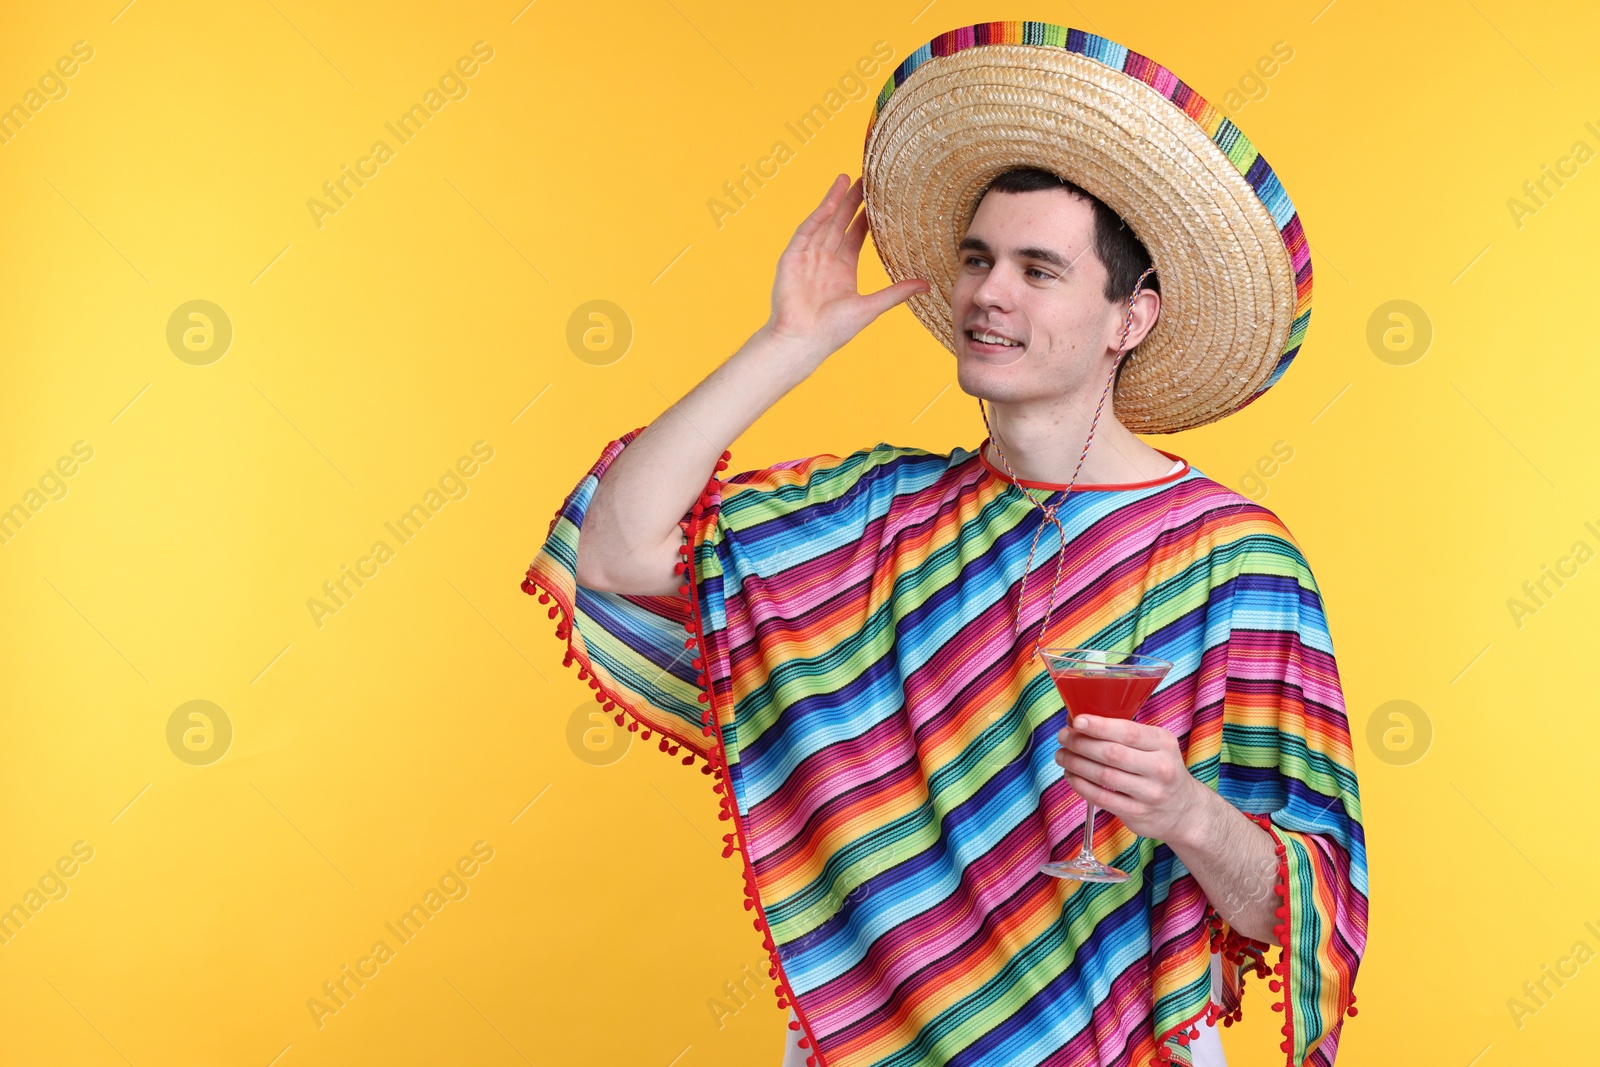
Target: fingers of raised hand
x,y
813,222
890,295
855,236
844,214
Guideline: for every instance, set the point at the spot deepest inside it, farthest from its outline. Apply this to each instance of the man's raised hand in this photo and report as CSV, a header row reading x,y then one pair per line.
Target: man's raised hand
x,y
631,530
814,297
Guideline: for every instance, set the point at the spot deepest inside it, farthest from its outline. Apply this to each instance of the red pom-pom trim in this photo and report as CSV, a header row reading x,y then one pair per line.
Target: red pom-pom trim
x,y
563,613
1282,932
1183,1033
717,766
1250,954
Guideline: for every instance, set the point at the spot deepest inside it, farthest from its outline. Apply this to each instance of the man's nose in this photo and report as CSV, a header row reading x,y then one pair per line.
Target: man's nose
x,y
997,289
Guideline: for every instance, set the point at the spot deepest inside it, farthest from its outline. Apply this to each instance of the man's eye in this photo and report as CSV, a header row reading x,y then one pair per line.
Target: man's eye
x,y
980,261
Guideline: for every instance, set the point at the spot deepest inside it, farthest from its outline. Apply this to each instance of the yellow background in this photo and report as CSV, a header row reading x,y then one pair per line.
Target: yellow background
x,y
432,711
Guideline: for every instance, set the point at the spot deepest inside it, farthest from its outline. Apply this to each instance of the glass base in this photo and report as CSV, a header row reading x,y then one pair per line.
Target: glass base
x,y
1083,869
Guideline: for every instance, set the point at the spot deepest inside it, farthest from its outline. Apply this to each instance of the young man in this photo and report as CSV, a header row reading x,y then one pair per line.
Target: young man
x,y
852,644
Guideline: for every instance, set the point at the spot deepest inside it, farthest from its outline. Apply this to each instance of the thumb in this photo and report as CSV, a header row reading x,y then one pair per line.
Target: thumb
x,y
889,296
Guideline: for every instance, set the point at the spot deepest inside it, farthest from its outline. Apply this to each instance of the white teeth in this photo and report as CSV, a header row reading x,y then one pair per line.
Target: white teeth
x,y
994,339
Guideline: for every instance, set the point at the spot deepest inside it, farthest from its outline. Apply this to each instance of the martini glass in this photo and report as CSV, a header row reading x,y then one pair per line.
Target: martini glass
x,y
1096,681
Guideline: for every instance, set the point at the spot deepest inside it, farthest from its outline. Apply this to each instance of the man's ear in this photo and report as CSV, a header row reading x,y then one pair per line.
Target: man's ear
x,y
1146,310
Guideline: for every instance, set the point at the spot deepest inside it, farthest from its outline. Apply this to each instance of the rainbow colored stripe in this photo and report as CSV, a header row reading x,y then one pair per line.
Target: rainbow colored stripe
x,y
1228,138
842,660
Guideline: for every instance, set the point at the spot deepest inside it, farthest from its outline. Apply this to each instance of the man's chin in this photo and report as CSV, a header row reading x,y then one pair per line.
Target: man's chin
x,y
991,382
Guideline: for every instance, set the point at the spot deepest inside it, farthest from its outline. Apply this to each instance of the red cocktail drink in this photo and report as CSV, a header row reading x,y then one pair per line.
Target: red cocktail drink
x,y
1114,694
1095,681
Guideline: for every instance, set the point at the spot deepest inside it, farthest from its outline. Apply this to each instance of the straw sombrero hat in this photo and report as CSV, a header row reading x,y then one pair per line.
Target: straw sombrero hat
x,y
1227,245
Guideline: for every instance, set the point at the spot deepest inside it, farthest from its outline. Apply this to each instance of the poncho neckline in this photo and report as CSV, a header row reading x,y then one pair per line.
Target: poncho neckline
x,y
1170,476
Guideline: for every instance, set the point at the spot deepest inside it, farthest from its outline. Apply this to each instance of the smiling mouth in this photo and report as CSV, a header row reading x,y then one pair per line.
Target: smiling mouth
x,y
996,343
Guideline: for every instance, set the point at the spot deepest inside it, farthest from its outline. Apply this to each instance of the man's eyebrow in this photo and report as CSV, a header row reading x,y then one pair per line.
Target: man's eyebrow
x,y
1044,255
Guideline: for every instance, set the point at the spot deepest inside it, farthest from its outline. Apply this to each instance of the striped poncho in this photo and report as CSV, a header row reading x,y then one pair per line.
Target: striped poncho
x,y
840,661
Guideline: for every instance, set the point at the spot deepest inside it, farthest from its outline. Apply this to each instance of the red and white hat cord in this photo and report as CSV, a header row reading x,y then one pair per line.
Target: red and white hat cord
x,y
1050,511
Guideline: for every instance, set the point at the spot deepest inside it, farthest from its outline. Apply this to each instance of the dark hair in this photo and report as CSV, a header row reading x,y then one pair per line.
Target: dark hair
x,y
1119,249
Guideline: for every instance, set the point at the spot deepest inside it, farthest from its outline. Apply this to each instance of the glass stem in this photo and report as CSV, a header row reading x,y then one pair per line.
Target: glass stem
x,y
1087,853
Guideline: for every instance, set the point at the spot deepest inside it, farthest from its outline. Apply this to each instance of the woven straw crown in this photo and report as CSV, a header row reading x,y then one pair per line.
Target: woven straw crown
x,y
1226,242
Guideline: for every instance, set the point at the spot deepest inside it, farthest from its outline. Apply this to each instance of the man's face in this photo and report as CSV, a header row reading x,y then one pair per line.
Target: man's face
x,y
1028,272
